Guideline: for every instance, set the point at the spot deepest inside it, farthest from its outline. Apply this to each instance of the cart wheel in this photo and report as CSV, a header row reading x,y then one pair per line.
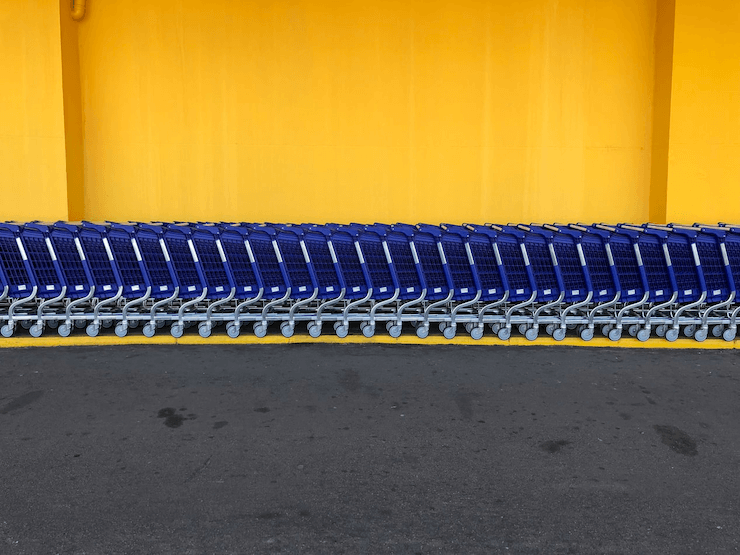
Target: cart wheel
x,y
643,335
26,324
504,334
93,330
389,324
260,329
606,329
7,330
615,334
728,335
107,324
121,329
443,326
160,324
149,330
395,331
36,330
701,334
558,334
523,329
476,333
587,334
689,330
177,330
572,326
672,334
550,329
287,329
368,330
449,332
717,330
633,329
660,330
469,326
495,327
422,332
53,324
232,330
64,330
80,324
133,324
204,329
314,329
342,331
532,333
337,324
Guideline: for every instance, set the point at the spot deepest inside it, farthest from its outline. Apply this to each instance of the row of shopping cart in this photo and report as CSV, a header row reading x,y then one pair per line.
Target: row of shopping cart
x,y
556,278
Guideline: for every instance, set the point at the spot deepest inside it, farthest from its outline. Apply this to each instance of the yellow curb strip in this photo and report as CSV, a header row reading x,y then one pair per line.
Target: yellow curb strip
x,y
277,339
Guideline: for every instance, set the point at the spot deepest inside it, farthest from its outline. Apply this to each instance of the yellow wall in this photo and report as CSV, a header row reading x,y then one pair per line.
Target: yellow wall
x,y
704,160
368,110
33,182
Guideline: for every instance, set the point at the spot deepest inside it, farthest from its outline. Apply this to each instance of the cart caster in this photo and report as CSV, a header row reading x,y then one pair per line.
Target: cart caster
x,y
342,331
107,324
160,324
633,329
121,329
504,334
717,330
689,330
443,326
93,330
550,329
587,334
476,333
133,324
660,330
368,330
643,335
559,334
26,324
287,329
36,330
395,331
260,329
80,324
449,332
671,335
7,330
523,329
701,334
53,324
314,329
177,330
64,330
233,330
531,334
389,324
728,335
572,326
615,334
422,331
204,329
605,330
495,327
149,330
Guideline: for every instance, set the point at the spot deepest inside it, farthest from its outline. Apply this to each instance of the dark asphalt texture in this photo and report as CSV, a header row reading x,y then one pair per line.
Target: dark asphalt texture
x,y
368,449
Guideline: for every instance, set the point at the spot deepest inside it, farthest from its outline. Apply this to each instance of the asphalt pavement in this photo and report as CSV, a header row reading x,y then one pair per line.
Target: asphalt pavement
x,y
368,449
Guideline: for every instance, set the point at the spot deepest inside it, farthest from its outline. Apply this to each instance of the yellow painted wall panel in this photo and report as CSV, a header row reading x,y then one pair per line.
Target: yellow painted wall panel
x,y
326,110
704,150
32,149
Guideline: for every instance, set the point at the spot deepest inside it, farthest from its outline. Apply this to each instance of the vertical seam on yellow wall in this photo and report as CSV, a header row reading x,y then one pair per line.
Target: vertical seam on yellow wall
x,y
73,124
662,87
